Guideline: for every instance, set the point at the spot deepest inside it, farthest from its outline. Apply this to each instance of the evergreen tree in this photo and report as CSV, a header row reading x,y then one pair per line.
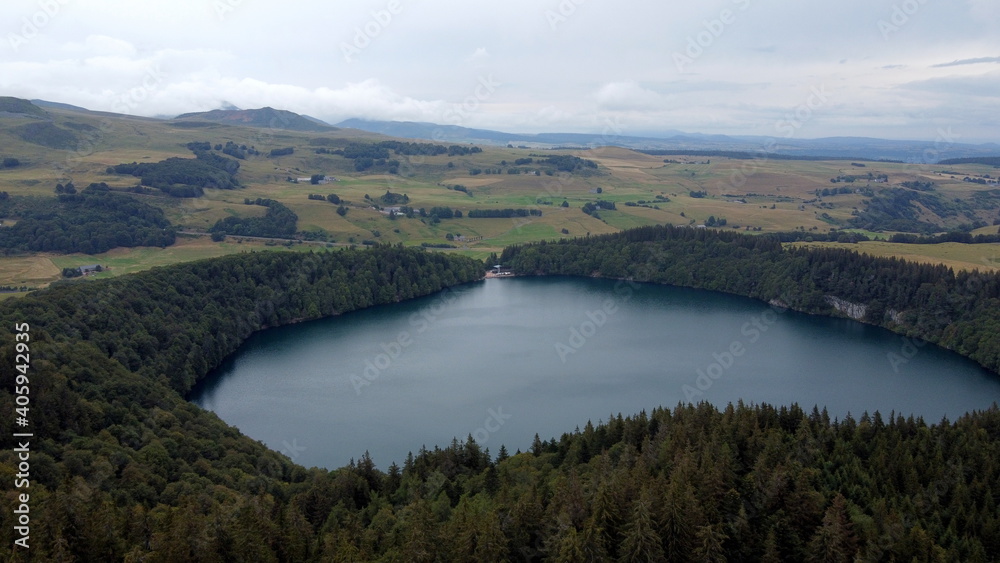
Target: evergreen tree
x,y
835,540
641,541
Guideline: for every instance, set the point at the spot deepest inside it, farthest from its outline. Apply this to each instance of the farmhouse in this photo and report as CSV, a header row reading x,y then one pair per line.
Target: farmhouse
x,y
90,269
323,180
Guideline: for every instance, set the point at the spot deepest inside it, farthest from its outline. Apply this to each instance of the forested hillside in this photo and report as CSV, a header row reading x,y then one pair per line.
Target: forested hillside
x,y
117,450
957,311
123,468
92,221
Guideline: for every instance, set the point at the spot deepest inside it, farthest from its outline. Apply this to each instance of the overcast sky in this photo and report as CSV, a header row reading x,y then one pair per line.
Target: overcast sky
x,y
901,69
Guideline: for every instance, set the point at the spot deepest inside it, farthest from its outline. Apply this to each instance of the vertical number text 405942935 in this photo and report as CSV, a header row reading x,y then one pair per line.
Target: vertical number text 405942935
x,y
22,435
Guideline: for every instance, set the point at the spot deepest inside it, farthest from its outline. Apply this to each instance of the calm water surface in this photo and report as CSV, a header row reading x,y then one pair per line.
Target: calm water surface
x,y
503,359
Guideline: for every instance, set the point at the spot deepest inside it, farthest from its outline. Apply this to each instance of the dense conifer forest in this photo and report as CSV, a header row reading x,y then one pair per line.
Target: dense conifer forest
x,y
124,468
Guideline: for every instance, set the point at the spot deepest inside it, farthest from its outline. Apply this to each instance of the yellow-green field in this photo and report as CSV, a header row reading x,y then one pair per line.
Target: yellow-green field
x,y
42,269
760,195
982,257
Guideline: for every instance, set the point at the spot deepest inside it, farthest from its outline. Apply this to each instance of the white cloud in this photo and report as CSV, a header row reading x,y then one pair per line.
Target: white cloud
x,y
627,96
602,62
479,56
100,45
369,99
972,61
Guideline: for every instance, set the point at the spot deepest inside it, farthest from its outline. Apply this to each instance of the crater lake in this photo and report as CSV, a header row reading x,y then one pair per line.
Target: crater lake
x,y
503,359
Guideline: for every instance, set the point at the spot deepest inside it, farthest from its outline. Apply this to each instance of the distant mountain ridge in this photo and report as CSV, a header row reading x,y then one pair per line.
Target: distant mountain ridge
x,y
455,133
667,140
58,105
839,147
266,117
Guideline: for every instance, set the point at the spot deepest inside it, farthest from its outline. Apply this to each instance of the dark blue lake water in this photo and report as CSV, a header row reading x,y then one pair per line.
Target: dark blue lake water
x,y
503,359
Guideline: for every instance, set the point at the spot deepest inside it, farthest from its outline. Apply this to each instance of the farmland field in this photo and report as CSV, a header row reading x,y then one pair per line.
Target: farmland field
x,y
751,195
983,257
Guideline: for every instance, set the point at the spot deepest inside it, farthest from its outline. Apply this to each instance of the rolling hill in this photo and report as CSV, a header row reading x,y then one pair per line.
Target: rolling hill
x,y
17,106
264,117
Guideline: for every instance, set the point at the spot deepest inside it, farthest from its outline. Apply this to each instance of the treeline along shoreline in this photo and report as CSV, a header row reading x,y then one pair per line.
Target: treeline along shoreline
x,y
958,311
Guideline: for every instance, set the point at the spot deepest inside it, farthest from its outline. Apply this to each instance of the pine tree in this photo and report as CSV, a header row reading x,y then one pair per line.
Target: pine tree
x,y
710,544
641,541
419,536
772,554
834,541
570,548
491,481
679,521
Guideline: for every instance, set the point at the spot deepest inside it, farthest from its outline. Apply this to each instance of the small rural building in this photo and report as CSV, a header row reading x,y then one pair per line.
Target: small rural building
x,y
323,180
90,269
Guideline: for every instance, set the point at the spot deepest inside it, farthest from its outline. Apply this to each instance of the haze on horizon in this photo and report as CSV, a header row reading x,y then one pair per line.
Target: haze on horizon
x,y
896,69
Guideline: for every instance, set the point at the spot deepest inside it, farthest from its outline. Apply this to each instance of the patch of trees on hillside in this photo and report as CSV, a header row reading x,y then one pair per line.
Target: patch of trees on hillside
x,y
502,213
381,149
92,221
364,150
393,198
851,178
332,198
713,222
988,160
827,192
592,208
230,148
900,209
184,177
278,221
437,212
569,163
378,154
959,237
238,151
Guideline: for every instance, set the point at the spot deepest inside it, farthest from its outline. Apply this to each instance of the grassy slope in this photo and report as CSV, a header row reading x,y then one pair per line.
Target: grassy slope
x,y
984,257
624,176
